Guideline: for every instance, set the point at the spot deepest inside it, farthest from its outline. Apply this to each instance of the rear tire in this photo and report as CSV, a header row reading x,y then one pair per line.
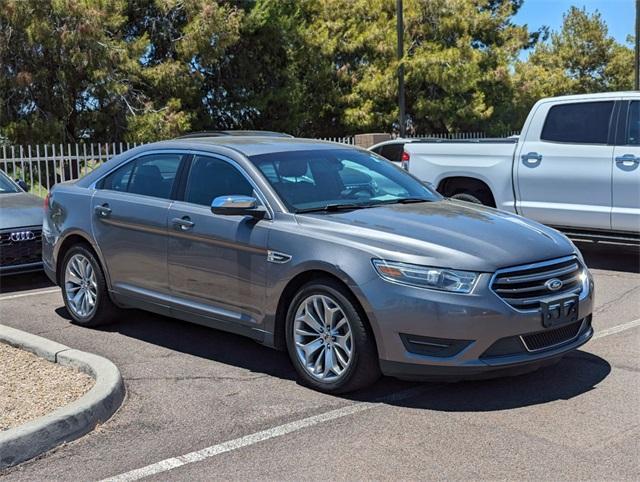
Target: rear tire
x,y
465,196
84,289
331,347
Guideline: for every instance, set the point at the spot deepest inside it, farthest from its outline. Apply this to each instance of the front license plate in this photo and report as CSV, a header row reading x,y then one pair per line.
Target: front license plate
x,y
559,311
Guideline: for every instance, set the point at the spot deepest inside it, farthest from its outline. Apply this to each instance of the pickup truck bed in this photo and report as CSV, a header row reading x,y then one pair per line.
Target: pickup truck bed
x,y
575,166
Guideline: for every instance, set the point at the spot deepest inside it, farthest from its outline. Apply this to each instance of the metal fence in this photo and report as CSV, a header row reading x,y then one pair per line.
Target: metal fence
x,y
459,135
42,166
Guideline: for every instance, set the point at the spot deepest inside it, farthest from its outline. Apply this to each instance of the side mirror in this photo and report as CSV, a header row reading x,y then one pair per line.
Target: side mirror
x,y
23,185
235,205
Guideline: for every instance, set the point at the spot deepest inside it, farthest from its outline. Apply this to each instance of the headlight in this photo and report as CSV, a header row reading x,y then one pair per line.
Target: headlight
x,y
426,277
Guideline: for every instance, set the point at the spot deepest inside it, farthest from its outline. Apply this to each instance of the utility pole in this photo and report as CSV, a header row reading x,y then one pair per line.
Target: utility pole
x,y
400,29
637,76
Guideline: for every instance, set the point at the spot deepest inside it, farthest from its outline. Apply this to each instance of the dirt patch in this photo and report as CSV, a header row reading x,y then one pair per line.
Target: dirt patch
x,y
31,387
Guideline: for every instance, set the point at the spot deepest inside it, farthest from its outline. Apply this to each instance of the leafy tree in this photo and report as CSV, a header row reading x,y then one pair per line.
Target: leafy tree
x,y
580,58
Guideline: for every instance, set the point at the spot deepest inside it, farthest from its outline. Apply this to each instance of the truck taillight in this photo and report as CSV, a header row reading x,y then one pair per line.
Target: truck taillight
x,y
46,202
405,160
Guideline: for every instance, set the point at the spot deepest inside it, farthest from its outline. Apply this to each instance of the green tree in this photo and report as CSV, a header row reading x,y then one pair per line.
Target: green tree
x,y
580,58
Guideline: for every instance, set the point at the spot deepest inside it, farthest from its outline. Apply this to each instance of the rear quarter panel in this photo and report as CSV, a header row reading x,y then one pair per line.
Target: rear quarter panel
x,y
488,162
68,213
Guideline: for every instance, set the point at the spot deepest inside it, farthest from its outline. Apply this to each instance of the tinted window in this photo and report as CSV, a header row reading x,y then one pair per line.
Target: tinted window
x,y
7,185
633,128
393,152
210,177
151,175
316,178
580,123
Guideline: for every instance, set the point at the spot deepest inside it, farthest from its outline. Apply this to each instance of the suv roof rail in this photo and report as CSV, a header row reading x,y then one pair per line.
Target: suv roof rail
x,y
195,135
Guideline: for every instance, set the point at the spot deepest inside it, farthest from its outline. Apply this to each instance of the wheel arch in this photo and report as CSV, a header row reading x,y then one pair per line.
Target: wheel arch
x,y
452,185
72,239
299,280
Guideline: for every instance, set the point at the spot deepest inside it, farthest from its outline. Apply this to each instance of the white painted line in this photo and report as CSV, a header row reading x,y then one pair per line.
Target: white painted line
x,y
30,293
198,455
617,329
212,451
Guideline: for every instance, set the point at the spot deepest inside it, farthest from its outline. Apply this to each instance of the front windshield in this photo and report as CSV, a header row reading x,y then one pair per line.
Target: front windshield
x,y
7,185
338,178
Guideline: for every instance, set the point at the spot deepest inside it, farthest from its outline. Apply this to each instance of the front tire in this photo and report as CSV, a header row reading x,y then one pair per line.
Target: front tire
x,y
84,289
330,345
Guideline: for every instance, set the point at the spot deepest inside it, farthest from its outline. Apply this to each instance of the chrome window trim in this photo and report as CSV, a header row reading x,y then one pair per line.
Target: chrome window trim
x,y
186,152
581,296
94,184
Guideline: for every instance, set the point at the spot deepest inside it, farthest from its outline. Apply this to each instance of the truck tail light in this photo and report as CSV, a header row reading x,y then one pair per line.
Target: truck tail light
x,y
404,162
46,202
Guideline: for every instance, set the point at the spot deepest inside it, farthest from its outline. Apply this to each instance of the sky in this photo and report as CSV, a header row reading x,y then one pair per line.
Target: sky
x,y
618,14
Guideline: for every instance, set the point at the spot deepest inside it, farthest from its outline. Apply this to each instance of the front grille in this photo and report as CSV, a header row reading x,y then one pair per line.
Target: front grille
x,y
550,338
20,252
523,287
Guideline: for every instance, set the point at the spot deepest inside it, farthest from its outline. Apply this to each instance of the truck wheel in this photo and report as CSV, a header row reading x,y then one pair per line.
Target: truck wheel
x,y
330,345
465,196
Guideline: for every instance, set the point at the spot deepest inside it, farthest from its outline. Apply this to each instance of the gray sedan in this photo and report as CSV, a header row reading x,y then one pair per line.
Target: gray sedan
x,y
20,228
327,251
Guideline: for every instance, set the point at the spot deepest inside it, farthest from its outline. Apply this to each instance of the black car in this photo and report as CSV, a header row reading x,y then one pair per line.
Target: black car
x,y
20,228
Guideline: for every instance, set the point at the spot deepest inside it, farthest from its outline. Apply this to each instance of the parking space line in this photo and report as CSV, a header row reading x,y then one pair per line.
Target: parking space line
x,y
617,329
247,440
198,455
30,293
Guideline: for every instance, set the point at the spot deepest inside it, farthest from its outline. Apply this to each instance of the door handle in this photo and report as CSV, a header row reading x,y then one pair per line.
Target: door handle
x,y
531,156
103,211
183,224
627,158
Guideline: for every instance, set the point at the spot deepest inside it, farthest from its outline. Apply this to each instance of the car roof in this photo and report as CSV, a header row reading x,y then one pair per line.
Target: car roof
x,y
399,140
249,145
200,134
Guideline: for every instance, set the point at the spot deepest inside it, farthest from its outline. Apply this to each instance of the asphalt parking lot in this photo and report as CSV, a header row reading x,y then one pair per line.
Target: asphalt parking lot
x,y
204,404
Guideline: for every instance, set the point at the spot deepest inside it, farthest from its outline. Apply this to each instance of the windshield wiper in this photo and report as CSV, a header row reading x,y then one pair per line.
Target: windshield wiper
x,y
405,200
334,207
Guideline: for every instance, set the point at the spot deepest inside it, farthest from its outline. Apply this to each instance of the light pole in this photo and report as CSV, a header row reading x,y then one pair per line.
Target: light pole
x,y
400,29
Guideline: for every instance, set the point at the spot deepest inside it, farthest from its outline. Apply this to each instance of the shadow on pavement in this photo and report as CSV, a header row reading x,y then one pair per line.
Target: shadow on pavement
x,y
611,257
199,341
21,282
577,373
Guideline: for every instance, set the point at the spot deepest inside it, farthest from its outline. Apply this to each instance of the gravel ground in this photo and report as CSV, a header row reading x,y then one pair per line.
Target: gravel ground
x,y
31,387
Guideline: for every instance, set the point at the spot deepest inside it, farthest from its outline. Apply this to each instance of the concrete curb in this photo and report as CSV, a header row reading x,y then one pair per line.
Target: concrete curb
x,y
71,421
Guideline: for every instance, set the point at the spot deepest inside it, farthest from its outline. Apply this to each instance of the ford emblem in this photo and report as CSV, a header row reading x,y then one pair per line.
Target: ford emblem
x,y
554,284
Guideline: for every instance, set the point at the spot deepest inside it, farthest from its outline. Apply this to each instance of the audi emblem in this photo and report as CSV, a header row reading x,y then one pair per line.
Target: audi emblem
x,y
554,284
20,236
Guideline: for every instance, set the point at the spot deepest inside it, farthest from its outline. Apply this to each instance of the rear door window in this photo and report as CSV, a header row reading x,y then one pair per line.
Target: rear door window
x,y
578,123
152,175
393,152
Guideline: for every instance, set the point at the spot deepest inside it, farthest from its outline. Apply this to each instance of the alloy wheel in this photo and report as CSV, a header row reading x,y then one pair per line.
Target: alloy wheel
x,y
323,338
80,285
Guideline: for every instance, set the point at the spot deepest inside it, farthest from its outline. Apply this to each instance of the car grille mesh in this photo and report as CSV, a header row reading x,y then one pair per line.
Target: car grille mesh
x,y
524,287
549,338
20,252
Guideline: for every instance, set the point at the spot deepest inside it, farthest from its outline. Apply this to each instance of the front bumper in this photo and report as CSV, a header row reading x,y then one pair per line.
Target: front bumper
x,y
486,336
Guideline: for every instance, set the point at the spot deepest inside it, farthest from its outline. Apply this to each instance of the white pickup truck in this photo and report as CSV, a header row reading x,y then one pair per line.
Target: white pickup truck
x,y
575,166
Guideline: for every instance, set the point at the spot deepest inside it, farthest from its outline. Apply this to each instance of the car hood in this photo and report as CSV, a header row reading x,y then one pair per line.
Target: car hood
x,y
444,233
20,210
